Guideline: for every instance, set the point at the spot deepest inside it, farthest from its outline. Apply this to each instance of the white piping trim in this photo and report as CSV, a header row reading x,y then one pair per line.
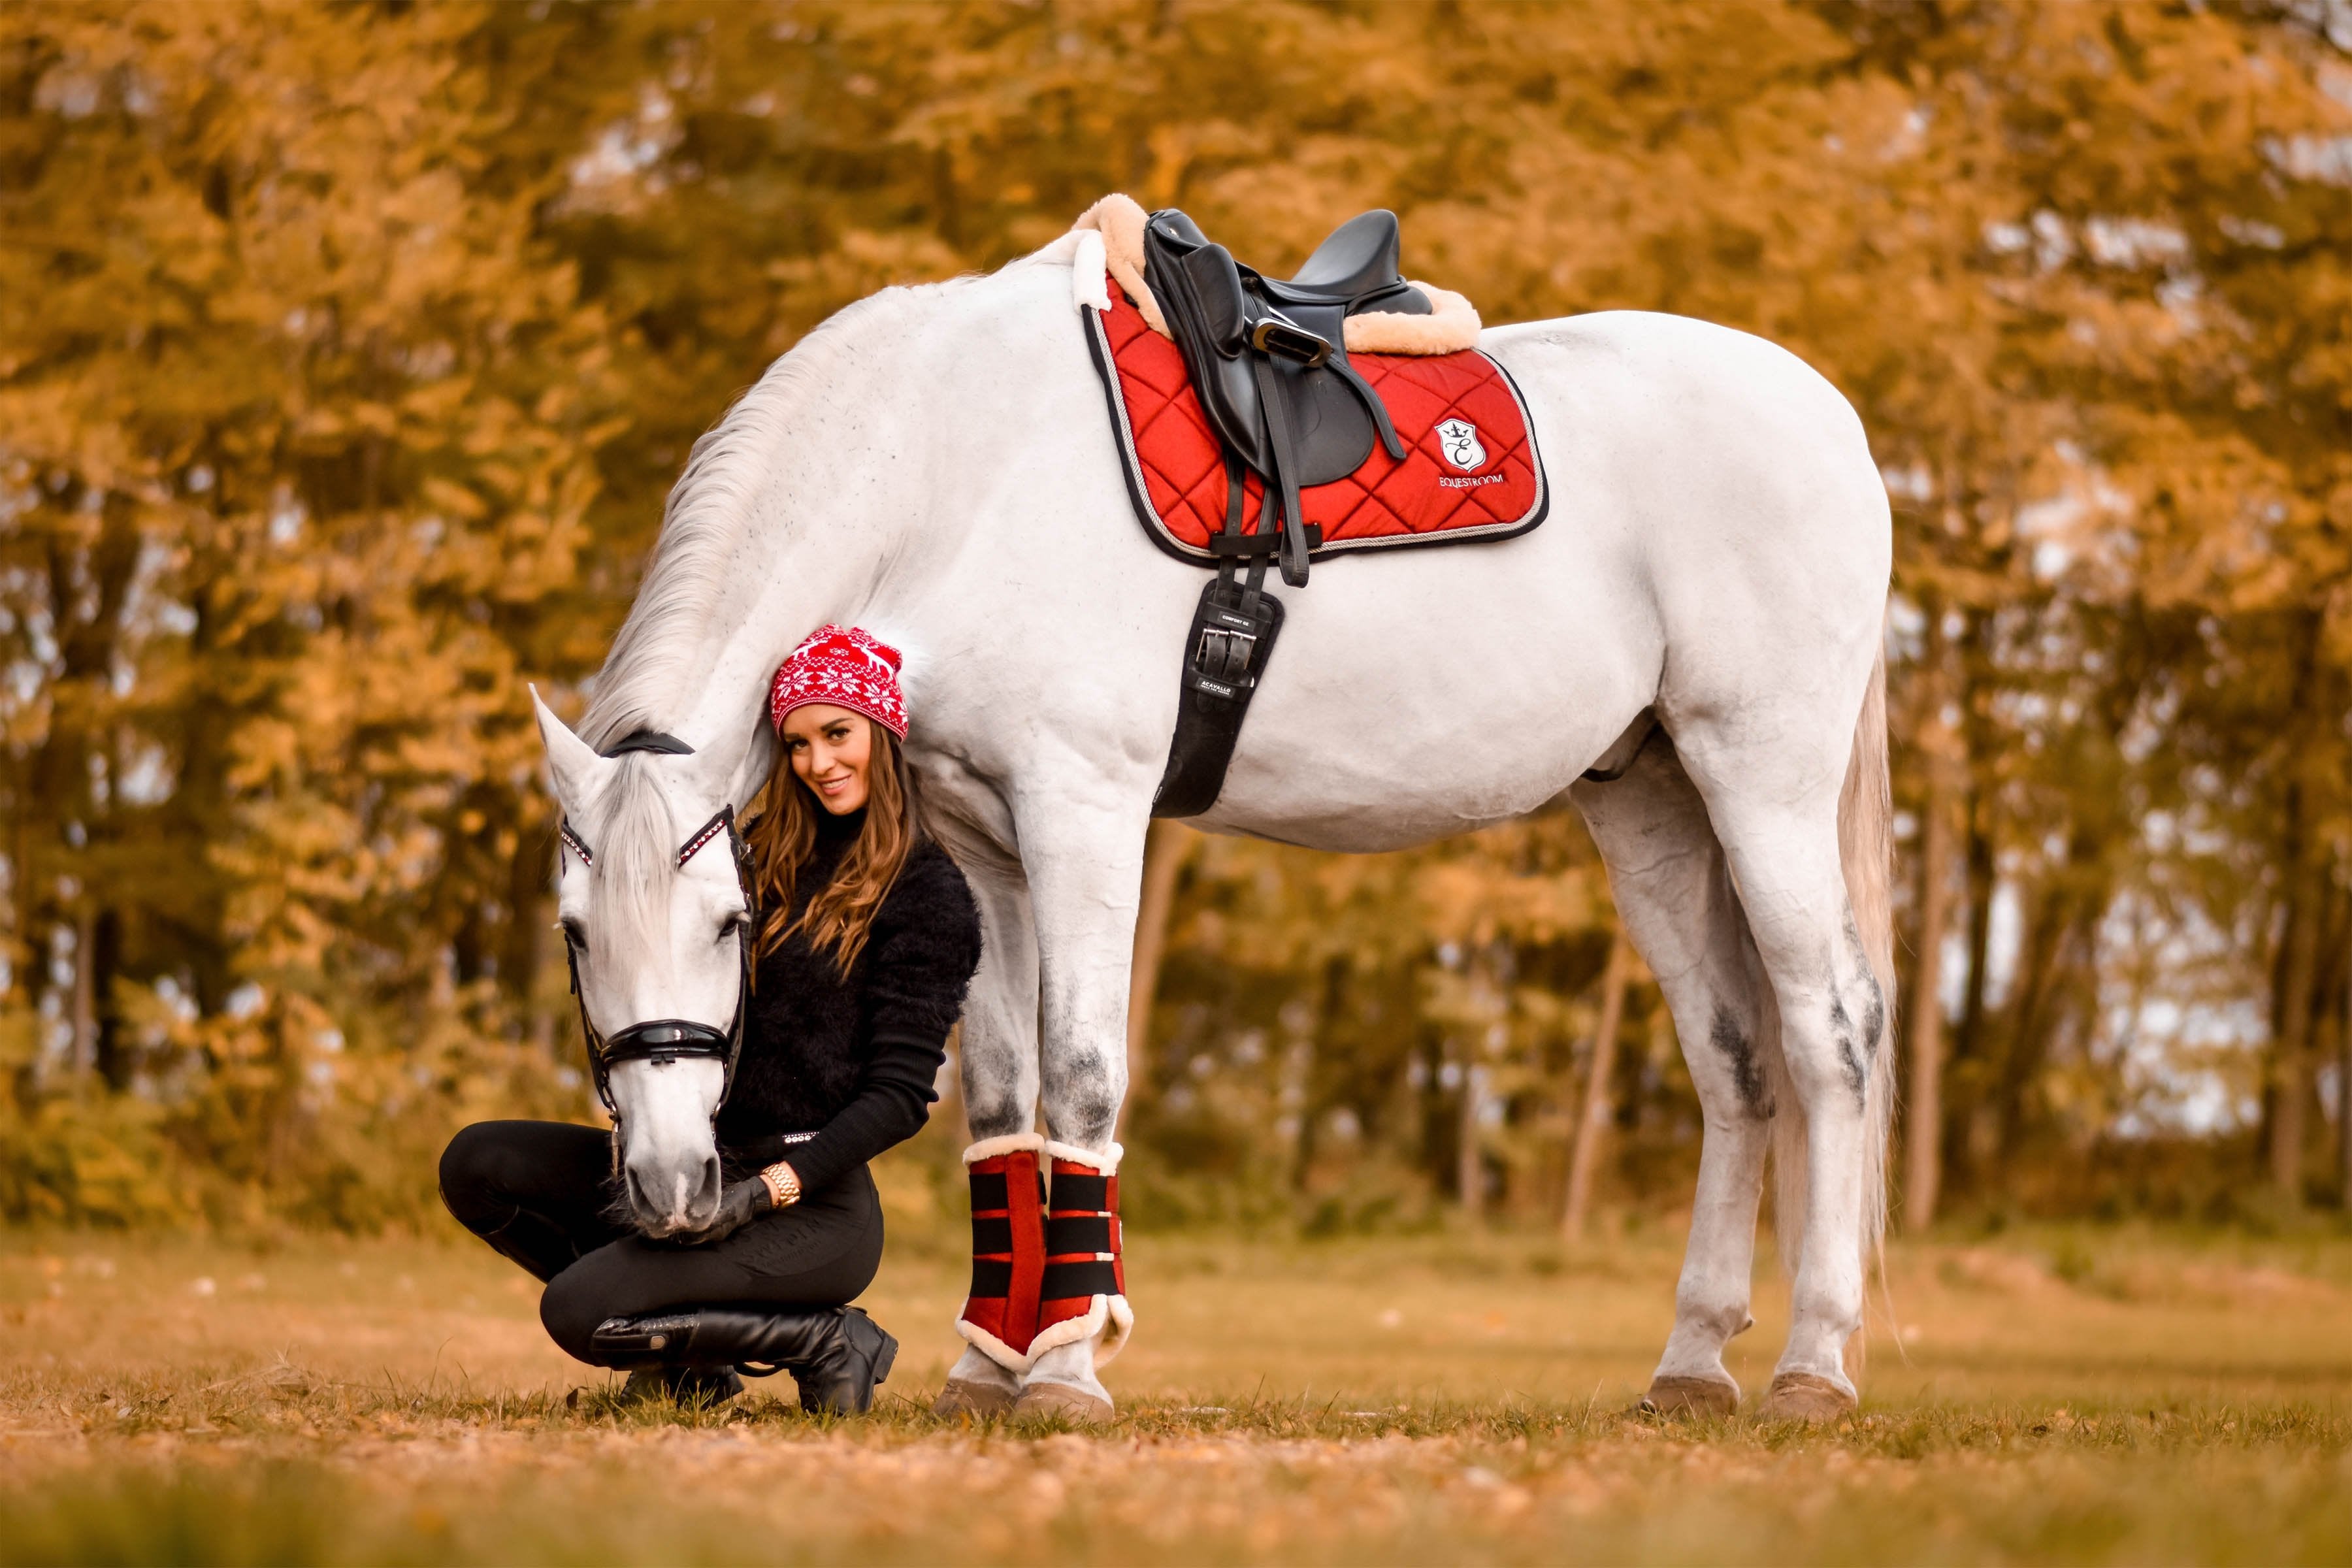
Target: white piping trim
x,y
1107,1163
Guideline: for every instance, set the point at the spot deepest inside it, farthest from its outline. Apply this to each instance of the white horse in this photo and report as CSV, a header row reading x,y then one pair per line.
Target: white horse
x,y
935,464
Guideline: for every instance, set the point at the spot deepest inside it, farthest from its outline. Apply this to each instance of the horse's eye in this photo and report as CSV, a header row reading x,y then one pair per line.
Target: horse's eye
x,y
573,931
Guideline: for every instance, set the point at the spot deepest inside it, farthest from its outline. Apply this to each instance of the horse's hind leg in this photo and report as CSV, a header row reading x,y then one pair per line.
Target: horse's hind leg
x,y
1778,813
1674,892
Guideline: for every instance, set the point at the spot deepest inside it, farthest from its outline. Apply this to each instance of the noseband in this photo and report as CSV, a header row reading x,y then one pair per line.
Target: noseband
x,y
665,1040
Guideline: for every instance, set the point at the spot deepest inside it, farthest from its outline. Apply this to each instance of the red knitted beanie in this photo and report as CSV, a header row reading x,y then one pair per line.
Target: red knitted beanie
x,y
846,668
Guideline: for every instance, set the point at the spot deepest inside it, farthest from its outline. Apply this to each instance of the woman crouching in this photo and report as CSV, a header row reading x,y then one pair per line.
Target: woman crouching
x,y
866,940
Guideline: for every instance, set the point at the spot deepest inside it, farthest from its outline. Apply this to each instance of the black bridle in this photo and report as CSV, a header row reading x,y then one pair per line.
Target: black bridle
x,y
662,1040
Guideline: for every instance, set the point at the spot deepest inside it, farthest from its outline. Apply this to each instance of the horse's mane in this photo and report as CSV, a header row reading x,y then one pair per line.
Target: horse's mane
x,y
695,564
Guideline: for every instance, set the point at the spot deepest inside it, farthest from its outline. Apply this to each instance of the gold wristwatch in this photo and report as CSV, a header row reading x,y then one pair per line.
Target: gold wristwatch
x,y
783,1185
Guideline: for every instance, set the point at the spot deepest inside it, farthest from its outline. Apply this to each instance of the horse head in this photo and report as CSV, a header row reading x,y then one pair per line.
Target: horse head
x,y
653,914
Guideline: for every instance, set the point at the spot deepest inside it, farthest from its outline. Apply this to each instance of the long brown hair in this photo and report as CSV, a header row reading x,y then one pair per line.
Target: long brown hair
x,y
783,832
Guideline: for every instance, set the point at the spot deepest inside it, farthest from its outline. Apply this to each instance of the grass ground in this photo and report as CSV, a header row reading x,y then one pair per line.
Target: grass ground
x,y
2073,1397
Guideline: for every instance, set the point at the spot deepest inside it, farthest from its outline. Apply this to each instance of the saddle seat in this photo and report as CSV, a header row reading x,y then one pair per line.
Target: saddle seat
x,y
1356,267
1270,359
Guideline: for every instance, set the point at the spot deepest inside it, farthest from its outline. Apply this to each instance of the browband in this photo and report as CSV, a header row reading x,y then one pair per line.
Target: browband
x,y
653,740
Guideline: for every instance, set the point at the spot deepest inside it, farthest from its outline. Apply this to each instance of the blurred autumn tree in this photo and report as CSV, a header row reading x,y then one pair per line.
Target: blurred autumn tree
x,y
346,352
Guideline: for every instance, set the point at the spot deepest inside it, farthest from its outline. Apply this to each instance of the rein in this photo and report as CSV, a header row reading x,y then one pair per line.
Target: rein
x,y
663,1040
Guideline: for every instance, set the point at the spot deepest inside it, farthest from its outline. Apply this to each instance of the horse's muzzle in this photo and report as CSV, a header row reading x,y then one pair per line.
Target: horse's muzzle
x,y
674,1202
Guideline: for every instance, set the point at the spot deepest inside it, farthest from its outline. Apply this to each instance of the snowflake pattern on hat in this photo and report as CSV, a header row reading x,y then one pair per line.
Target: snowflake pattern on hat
x,y
847,667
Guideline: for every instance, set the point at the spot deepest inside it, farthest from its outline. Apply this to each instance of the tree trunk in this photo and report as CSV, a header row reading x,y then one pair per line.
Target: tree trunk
x,y
527,943
1469,1170
1923,1142
111,1051
1963,1084
1584,1157
1165,850
2290,1071
85,996
2344,1094
2049,923
1339,975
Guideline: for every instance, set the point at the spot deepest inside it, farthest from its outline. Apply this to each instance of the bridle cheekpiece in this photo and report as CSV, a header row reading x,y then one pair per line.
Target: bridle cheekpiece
x,y
663,1040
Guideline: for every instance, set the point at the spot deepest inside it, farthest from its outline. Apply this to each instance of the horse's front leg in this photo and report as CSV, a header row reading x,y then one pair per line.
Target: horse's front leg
x,y
1084,857
997,1053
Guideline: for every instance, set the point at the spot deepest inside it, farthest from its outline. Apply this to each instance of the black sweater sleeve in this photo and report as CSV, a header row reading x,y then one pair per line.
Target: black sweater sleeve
x,y
924,947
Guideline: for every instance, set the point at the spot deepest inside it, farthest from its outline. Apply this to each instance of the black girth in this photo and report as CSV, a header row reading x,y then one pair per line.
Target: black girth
x,y
661,1040
1225,653
1269,363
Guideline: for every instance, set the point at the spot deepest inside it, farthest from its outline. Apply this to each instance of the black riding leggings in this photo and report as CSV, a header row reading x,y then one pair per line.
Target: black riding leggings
x,y
538,1192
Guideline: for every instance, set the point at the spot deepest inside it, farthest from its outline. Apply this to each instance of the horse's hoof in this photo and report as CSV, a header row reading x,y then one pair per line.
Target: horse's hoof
x,y
1803,1396
981,1401
1060,1402
1701,1396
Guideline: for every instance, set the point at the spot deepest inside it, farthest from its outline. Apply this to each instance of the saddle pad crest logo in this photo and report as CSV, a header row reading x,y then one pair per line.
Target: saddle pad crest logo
x,y
1458,440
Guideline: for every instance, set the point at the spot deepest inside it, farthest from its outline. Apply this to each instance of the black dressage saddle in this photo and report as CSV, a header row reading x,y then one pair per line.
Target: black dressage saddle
x,y
1269,360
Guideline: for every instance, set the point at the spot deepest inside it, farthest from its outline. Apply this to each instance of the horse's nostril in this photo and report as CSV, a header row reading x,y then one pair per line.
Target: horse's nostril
x,y
651,1215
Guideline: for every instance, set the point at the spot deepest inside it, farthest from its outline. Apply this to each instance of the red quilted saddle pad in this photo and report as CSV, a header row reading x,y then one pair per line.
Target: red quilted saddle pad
x,y
1470,470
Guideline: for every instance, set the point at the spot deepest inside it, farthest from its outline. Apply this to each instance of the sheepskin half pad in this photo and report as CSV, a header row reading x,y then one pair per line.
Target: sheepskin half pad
x,y
1470,471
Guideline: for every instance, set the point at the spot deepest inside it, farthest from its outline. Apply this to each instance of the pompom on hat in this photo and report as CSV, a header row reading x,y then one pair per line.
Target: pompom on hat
x,y
845,667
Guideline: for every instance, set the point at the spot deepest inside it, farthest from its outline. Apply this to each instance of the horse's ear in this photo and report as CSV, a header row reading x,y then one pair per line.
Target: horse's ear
x,y
575,767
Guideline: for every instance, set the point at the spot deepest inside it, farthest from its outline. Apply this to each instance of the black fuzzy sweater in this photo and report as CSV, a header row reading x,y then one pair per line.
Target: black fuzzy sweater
x,y
853,1059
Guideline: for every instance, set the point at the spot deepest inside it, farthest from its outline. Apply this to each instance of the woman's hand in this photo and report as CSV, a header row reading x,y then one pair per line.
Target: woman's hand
x,y
739,1205
778,1186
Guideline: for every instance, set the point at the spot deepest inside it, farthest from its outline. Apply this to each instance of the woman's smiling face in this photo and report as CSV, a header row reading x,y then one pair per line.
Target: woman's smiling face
x,y
830,750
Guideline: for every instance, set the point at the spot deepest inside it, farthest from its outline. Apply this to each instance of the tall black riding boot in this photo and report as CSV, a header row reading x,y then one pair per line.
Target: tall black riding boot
x,y
836,1354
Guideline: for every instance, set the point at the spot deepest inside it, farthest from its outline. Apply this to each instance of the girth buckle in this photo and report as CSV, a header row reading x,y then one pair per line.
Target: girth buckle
x,y
1224,653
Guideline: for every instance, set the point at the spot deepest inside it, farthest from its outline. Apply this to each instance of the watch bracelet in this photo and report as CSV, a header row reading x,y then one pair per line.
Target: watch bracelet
x,y
784,1188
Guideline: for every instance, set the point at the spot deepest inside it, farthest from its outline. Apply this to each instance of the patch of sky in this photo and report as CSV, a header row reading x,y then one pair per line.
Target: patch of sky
x,y
287,515
627,151
146,778
70,90
1909,482
2252,232
1907,629
2133,242
2323,160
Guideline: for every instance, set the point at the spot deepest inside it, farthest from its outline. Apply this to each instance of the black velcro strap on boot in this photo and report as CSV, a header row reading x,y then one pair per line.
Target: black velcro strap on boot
x,y
992,1234
991,1275
989,1192
1072,1192
1093,1277
1068,1232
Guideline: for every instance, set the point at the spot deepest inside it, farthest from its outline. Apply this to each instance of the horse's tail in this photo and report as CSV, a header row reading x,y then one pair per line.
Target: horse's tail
x,y
1866,848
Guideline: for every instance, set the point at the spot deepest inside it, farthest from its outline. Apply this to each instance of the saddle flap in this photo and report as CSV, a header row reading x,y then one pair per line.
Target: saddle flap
x,y
1197,283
